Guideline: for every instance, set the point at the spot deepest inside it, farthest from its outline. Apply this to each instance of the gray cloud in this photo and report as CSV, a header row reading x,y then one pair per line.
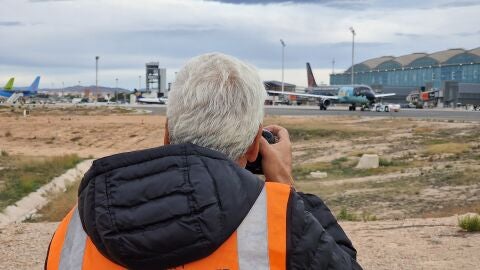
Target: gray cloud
x,y
337,4
257,2
128,34
352,5
460,4
407,35
10,23
467,34
42,1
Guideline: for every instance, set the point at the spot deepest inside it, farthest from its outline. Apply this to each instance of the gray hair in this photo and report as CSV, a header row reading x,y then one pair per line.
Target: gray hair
x,y
216,102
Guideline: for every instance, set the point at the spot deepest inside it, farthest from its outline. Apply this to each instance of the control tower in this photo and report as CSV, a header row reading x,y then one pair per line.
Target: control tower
x,y
156,79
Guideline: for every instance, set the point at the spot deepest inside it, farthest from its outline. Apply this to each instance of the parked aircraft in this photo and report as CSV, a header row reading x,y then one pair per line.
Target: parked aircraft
x,y
356,95
25,91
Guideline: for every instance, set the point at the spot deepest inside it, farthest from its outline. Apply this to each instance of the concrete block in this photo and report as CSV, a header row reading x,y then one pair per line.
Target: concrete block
x,y
318,174
368,161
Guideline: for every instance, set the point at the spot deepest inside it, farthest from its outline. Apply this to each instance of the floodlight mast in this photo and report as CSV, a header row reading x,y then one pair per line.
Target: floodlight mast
x,y
96,73
353,51
283,62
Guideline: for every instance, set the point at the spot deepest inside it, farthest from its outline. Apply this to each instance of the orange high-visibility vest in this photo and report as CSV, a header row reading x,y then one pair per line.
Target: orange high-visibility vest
x,y
258,243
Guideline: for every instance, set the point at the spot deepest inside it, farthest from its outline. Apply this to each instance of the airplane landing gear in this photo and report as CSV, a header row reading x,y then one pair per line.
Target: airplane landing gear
x,y
352,107
322,107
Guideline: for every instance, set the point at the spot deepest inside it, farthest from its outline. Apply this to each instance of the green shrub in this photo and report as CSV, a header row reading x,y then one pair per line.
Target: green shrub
x,y
345,215
339,161
385,162
469,223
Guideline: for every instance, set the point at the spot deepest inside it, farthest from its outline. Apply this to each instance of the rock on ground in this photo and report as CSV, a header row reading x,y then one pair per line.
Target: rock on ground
x,y
368,161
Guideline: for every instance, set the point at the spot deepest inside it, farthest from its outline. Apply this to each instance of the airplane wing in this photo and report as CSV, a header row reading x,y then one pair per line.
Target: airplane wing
x,y
303,95
384,95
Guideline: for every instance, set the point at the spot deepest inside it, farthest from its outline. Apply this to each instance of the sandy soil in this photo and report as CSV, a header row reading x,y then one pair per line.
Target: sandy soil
x,y
406,244
95,136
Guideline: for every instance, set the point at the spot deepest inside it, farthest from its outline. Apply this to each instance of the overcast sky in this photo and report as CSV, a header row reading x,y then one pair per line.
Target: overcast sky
x,y
58,39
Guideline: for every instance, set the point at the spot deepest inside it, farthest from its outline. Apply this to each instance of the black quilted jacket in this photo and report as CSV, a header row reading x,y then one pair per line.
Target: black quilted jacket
x,y
167,206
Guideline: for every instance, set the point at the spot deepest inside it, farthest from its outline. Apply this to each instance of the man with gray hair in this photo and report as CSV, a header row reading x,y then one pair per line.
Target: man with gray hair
x,y
191,204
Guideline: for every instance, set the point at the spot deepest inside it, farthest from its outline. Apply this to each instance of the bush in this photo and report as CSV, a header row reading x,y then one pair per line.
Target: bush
x,y
3,153
385,162
469,223
338,162
345,215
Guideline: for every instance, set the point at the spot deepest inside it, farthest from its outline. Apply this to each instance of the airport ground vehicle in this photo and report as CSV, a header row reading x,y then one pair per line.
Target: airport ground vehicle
x,y
379,107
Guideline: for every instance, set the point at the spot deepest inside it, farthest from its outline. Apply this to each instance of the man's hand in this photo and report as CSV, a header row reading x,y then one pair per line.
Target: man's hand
x,y
277,158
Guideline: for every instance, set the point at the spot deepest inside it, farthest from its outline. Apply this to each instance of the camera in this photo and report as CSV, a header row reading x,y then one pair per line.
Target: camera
x,y
256,166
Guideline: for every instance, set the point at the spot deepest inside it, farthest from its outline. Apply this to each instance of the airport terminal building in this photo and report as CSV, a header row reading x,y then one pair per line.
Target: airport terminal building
x,y
455,72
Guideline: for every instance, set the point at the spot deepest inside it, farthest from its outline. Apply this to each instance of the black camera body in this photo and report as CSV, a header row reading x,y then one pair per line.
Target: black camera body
x,y
256,166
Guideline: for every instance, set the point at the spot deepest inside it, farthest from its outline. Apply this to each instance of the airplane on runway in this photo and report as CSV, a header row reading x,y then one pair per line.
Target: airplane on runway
x,y
153,100
356,95
20,91
9,85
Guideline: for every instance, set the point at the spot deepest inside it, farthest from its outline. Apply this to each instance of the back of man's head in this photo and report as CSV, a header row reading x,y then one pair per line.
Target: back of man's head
x,y
216,102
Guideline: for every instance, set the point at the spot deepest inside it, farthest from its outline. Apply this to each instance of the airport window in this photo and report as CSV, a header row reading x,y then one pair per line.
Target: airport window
x,y
463,59
422,62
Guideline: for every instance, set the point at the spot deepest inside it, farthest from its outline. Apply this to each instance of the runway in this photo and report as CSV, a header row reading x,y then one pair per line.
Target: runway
x,y
441,114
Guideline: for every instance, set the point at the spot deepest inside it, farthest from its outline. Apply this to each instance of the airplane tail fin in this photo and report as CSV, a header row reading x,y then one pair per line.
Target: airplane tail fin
x,y
34,86
311,79
9,85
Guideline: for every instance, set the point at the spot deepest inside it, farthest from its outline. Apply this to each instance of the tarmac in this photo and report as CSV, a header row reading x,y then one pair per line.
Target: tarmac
x,y
425,114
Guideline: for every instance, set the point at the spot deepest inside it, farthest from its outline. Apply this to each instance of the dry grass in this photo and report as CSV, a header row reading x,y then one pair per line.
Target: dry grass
x,y
317,128
451,148
23,175
59,205
344,168
41,109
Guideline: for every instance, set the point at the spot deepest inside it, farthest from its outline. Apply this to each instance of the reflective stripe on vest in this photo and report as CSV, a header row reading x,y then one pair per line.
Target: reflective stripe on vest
x,y
258,243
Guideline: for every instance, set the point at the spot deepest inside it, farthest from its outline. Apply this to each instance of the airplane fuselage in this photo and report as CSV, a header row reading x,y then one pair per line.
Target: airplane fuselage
x,y
7,94
358,95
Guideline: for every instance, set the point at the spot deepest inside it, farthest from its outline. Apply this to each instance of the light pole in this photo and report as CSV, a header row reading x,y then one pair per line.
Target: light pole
x,y
116,90
283,61
353,50
333,66
96,73
139,82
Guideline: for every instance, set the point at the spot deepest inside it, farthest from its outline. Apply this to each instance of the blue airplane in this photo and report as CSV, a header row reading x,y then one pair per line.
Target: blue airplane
x,y
356,95
25,91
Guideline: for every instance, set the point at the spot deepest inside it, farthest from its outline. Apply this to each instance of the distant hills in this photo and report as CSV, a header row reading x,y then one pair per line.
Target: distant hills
x,y
81,89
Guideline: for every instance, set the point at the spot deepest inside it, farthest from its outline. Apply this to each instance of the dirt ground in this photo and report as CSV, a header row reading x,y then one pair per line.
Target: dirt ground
x,y
429,169
96,135
434,244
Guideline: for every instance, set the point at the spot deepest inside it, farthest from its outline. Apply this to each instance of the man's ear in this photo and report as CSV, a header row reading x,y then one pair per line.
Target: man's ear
x,y
254,148
166,136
